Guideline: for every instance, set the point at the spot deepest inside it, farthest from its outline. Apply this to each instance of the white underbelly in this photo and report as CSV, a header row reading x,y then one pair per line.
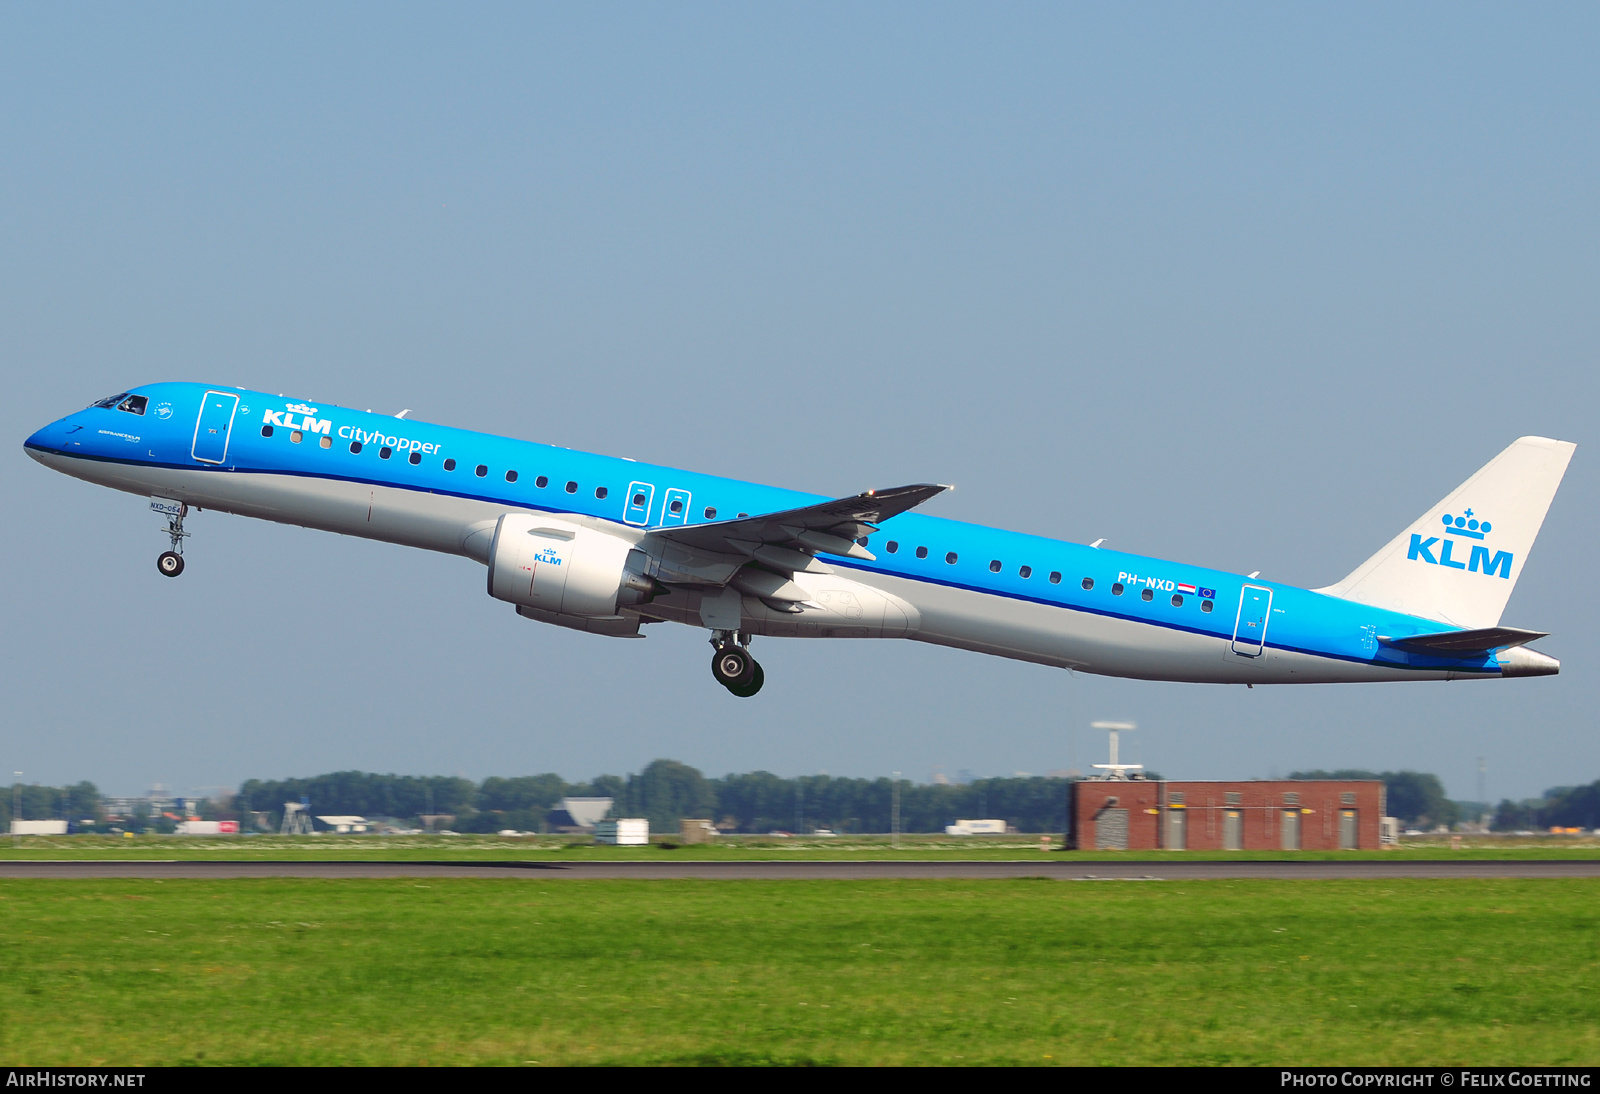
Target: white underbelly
x,y
1089,642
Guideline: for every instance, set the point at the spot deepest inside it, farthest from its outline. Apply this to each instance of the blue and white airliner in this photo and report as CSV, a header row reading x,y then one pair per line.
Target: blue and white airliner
x,y
608,545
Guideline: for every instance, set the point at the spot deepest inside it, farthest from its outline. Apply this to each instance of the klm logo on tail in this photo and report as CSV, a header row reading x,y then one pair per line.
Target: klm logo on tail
x,y
1464,527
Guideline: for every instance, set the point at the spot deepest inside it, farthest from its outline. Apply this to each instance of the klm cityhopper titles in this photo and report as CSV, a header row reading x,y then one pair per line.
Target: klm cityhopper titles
x,y
608,545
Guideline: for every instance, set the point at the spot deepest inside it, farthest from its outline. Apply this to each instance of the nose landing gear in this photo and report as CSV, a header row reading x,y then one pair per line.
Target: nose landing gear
x,y
170,563
733,667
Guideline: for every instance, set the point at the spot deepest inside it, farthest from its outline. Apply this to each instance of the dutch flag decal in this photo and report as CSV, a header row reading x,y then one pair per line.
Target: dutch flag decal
x,y
1186,589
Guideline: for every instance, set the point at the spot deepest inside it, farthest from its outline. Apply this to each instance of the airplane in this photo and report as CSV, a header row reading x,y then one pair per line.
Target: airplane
x,y
608,545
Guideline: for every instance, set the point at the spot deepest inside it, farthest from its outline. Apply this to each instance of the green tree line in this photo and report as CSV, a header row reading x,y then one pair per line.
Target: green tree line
x,y
667,791
1561,806
756,802
75,804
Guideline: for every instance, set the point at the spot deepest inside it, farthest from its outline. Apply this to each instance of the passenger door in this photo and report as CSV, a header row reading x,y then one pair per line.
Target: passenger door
x,y
215,424
1250,628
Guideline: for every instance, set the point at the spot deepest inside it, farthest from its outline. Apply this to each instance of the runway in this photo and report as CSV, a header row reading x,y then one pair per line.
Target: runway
x,y
839,870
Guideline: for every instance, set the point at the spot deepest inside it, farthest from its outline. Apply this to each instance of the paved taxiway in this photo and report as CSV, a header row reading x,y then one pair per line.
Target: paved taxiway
x,y
845,870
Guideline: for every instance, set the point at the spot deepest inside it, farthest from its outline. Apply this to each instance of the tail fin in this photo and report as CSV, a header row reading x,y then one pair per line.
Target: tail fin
x,y
1459,561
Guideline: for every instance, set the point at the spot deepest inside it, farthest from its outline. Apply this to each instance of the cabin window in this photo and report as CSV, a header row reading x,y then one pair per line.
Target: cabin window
x,y
601,492
743,515
677,505
449,465
711,511
994,566
1025,572
1177,600
1055,577
1116,588
950,558
638,499
572,488
133,404
511,476
1205,605
542,481
355,446
385,452
1087,583
266,431
481,470
862,542
1147,594
295,436
415,458
326,442
922,552
891,546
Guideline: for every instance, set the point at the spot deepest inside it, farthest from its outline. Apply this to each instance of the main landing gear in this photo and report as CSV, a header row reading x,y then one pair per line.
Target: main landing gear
x,y
733,667
170,563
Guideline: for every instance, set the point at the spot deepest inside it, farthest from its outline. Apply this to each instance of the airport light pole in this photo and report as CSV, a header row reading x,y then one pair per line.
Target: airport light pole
x,y
894,810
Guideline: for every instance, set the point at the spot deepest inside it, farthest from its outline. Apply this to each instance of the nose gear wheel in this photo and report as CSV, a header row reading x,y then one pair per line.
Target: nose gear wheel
x,y
170,563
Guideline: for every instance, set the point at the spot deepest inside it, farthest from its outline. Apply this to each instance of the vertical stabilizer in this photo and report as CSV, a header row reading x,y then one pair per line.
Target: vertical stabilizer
x,y
1459,561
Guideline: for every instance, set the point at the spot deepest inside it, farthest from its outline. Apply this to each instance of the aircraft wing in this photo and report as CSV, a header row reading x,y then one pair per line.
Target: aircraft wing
x,y
782,543
1481,640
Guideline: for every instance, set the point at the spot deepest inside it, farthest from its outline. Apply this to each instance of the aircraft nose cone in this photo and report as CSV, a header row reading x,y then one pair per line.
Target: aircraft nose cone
x,y
43,440
50,439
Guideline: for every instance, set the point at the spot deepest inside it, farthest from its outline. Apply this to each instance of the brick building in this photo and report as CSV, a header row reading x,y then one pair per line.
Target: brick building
x,y
1304,815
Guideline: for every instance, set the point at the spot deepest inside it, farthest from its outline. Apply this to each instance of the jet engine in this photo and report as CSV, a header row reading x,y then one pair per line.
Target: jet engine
x,y
566,568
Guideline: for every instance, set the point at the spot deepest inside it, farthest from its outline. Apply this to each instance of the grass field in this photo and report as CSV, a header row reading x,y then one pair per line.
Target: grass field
x,y
1026,971
555,848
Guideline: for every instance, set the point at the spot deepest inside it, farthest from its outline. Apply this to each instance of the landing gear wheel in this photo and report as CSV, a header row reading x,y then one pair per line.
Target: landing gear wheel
x,y
732,666
170,564
744,691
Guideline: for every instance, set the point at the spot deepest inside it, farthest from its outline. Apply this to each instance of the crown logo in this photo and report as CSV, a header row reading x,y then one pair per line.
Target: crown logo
x,y
1466,525
301,408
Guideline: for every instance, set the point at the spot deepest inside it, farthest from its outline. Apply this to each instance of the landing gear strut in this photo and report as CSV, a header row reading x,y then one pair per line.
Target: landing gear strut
x,y
170,563
733,667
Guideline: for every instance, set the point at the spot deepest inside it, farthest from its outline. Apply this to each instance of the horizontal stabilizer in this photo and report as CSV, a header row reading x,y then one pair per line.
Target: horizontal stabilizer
x,y
1481,640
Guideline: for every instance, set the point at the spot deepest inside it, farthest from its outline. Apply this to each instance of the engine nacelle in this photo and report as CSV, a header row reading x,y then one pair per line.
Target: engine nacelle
x,y
565,568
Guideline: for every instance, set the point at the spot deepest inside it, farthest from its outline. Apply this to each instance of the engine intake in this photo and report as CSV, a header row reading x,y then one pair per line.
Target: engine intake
x,y
570,569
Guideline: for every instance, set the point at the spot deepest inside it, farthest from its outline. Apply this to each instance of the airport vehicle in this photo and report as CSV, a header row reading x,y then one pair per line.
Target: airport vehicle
x,y
607,545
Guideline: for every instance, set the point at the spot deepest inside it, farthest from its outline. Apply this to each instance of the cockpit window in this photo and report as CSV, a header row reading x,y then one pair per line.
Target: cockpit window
x,y
110,401
134,404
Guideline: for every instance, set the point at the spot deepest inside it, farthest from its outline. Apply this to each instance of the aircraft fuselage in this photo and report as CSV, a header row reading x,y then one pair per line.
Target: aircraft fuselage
x,y
924,578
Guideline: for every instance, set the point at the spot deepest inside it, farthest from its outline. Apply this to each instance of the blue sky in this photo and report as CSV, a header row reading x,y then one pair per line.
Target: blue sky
x,y
1249,286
